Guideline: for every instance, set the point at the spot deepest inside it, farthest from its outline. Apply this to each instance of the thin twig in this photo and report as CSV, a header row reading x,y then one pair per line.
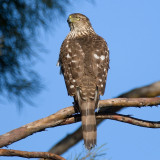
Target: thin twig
x,y
25,154
118,117
131,120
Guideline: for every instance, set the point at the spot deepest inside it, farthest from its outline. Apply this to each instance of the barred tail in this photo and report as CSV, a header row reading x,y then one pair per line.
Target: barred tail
x,y
89,123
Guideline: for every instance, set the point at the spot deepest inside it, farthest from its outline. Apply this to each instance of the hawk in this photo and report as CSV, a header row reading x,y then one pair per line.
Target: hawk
x,y
84,62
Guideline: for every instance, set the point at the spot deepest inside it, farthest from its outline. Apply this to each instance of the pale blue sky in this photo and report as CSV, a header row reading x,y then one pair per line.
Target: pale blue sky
x,y
132,31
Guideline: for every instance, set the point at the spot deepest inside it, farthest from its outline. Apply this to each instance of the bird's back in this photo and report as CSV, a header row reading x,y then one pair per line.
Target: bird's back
x,y
84,62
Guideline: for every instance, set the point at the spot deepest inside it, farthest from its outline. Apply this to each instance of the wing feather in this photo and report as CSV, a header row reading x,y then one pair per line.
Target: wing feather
x,y
81,57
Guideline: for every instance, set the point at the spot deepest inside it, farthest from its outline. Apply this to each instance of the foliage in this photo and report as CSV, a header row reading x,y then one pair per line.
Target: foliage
x,y
19,21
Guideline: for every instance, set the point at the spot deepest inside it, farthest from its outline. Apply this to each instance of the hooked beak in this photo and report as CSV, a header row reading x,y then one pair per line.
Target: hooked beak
x,y
70,19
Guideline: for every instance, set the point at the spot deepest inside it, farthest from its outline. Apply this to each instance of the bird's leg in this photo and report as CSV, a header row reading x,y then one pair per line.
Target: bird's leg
x,y
76,107
98,108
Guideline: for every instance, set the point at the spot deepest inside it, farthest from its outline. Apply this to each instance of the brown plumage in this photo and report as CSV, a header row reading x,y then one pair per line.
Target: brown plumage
x,y
84,61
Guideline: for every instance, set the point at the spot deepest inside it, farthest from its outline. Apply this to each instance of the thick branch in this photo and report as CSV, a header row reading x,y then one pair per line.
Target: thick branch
x,y
36,126
60,117
151,90
25,154
129,102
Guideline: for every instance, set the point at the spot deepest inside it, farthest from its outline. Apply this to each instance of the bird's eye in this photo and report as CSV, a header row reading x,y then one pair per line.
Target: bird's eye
x,y
78,19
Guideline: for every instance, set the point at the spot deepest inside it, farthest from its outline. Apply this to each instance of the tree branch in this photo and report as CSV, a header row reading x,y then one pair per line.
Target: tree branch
x,y
118,117
71,140
129,102
131,120
151,90
25,154
60,117
36,126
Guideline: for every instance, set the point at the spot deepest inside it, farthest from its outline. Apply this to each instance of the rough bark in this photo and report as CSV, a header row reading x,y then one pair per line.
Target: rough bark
x,y
25,154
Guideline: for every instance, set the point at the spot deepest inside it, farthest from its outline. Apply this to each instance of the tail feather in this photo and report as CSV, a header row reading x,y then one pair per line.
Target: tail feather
x,y
89,123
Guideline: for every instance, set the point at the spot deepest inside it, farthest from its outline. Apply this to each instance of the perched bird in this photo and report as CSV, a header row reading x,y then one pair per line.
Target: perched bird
x,y
84,62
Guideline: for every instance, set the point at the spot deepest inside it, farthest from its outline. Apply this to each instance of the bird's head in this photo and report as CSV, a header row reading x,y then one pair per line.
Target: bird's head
x,y
79,22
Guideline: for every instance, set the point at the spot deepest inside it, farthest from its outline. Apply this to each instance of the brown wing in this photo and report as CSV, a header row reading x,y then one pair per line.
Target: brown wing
x,y
83,59
100,56
96,60
72,64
